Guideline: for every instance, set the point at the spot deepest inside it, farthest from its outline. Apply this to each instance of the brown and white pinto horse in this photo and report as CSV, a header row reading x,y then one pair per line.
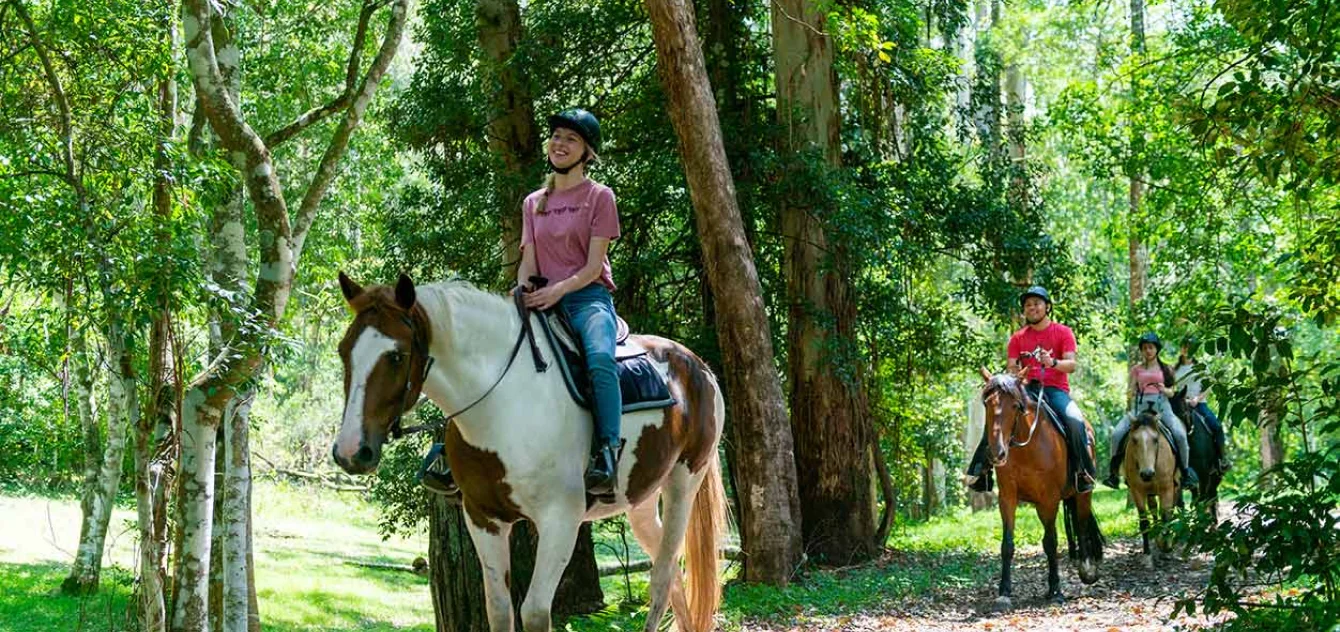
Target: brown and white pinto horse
x,y
1029,455
521,451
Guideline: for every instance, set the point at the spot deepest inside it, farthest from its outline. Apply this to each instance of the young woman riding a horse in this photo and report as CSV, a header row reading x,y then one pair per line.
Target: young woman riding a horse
x,y
516,439
566,230
1150,387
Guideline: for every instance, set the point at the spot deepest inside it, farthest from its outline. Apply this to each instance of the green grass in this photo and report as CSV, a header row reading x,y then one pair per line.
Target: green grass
x,y
306,538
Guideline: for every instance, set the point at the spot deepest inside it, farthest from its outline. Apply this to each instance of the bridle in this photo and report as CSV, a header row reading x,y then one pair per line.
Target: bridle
x,y
1020,406
418,347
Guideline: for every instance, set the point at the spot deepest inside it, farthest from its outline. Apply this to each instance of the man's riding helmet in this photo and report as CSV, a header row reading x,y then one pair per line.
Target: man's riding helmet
x,y
580,121
1153,339
1038,291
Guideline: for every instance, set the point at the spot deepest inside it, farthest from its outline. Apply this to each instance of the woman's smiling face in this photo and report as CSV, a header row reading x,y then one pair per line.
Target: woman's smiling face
x,y
566,147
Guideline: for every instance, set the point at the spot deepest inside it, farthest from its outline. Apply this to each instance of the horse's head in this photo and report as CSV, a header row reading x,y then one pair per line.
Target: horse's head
x,y
1006,405
385,355
1144,443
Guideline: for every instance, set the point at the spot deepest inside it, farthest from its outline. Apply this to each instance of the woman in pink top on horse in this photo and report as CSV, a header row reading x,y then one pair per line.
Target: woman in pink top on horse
x,y
1151,386
566,229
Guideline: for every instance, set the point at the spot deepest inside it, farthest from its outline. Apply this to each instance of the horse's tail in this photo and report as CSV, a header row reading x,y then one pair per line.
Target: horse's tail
x,y
707,525
1079,511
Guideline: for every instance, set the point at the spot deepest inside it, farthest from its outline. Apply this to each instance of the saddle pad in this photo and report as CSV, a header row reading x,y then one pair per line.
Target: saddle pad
x,y
641,386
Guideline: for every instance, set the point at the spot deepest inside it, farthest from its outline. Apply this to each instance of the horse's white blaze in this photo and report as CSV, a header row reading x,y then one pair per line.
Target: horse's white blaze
x,y
367,350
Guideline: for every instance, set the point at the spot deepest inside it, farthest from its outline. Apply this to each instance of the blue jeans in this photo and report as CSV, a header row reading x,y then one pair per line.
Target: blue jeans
x,y
590,311
1216,428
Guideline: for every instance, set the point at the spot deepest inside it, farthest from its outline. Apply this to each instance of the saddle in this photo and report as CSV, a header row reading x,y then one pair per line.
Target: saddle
x,y
641,386
1163,430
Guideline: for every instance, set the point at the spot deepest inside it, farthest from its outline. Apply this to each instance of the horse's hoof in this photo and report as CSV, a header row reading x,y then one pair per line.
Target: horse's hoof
x,y
1088,571
1148,562
1002,603
1056,598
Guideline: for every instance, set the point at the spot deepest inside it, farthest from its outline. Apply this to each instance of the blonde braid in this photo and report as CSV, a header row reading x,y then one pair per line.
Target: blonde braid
x,y
548,184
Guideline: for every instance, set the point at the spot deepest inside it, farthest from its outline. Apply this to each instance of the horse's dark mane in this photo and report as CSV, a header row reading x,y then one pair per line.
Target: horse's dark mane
x,y
1146,418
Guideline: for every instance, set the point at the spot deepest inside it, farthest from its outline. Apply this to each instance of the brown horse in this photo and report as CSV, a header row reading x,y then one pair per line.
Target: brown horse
x,y
1029,455
1151,476
520,448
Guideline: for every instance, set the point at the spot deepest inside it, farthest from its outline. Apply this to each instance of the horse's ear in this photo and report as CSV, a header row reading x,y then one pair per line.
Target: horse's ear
x,y
404,291
1022,373
986,375
350,289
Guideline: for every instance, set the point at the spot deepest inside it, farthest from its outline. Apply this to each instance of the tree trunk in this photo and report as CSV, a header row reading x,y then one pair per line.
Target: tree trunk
x,y
149,472
280,248
83,577
766,473
1015,89
985,94
122,414
1137,252
152,478
512,134
829,414
238,613
454,576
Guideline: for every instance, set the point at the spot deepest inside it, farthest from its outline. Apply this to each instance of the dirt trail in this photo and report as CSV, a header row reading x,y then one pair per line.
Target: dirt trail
x,y
1127,597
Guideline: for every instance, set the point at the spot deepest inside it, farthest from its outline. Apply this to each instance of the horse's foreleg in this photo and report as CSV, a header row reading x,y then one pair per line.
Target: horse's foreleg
x,y
1047,514
1071,534
1008,502
1141,500
495,560
647,530
558,536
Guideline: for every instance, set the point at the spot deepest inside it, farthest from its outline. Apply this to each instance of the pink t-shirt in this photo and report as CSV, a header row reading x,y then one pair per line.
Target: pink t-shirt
x,y
562,234
1147,381
1056,339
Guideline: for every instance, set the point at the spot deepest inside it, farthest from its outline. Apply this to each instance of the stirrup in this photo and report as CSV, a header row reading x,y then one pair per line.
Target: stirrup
x,y
439,482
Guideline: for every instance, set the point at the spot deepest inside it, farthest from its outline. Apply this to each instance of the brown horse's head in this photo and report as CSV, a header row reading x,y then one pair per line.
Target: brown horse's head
x,y
385,354
1144,445
1007,408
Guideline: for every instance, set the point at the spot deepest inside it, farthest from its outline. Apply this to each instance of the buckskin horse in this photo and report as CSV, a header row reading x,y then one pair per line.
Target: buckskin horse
x,y
1151,473
519,448
1029,456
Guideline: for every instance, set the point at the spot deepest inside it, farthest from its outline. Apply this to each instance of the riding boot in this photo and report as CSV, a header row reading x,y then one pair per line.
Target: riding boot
x,y
1113,480
1086,472
602,471
1189,478
978,477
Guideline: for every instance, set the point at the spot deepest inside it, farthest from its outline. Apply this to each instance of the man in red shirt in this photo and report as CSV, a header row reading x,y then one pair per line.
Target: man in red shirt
x,y
1045,343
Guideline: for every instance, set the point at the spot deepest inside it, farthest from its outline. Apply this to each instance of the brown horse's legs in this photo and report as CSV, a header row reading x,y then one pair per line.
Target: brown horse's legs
x,y
1068,518
1047,514
1008,504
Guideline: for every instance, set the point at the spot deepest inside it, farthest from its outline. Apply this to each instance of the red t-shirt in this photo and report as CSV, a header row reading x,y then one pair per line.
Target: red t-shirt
x,y
1056,339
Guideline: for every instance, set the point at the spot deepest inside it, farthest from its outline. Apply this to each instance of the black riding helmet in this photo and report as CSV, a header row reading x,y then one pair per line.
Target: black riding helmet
x,y
580,121
1153,339
1038,291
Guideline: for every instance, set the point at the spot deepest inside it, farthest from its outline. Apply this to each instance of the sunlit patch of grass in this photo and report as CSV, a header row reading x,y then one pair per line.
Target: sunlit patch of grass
x,y
305,539
29,601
